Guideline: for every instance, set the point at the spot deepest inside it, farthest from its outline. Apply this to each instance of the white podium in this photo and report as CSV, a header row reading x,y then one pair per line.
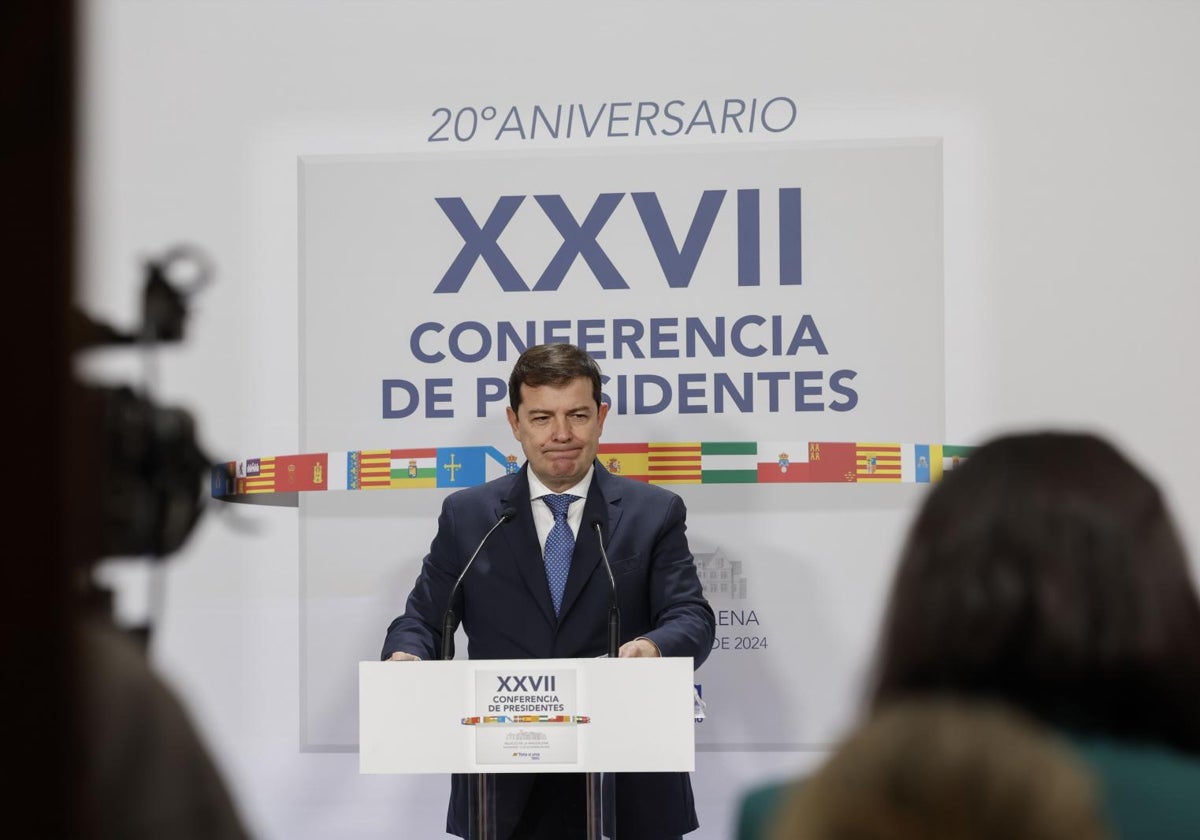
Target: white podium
x,y
491,716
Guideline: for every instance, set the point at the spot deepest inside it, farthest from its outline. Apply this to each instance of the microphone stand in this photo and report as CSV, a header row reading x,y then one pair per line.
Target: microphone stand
x,y
481,787
595,781
614,612
449,619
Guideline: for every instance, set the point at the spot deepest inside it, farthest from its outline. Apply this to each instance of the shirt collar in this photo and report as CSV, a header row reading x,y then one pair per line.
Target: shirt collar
x,y
537,489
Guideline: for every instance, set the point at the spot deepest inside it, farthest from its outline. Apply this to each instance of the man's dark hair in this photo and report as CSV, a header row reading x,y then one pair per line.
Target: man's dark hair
x,y
552,364
1045,571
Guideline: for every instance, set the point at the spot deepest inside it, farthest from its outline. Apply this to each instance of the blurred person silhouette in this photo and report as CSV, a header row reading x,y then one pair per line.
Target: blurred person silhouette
x,y
943,769
97,745
1046,573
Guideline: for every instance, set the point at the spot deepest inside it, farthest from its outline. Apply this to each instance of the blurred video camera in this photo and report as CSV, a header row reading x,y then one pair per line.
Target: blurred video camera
x,y
151,473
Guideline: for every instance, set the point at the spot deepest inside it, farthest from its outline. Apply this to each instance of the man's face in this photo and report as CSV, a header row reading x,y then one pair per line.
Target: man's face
x,y
559,430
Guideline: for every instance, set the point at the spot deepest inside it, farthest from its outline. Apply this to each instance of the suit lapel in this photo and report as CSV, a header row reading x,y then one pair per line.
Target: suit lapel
x,y
524,547
600,507
610,488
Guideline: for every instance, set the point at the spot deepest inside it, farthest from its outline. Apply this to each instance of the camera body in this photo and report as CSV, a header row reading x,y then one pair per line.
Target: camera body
x,y
150,474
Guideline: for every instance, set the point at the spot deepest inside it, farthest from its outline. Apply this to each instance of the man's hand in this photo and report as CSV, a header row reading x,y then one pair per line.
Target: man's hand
x,y
638,647
401,656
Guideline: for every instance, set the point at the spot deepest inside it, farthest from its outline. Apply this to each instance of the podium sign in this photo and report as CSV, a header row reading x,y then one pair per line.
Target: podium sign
x,y
527,715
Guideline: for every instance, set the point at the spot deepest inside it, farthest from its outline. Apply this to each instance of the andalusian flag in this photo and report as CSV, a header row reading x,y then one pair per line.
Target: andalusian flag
x,y
631,460
414,468
954,456
374,469
877,462
674,463
783,462
729,463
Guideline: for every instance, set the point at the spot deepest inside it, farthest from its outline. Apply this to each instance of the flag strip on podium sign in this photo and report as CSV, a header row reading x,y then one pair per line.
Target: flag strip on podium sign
x,y
729,462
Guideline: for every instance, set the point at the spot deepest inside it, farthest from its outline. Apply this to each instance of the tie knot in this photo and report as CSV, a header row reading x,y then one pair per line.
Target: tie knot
x,y
558,504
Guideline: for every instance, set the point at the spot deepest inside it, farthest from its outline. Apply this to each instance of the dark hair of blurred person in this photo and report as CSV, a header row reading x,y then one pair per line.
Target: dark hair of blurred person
x,y
1046,572
945,770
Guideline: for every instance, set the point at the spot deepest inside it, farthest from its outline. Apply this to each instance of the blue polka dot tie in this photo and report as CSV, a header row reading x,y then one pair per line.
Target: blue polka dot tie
x,y
560,545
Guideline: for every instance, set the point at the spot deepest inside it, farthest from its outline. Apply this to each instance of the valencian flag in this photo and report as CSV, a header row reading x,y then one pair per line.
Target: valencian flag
x,y
301,472
374,469
674,463
414,468
877,462
260,476
832,462
729,462
783,462
631,460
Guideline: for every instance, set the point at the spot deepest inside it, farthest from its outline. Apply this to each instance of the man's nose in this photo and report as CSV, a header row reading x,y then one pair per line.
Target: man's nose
x,y
561,428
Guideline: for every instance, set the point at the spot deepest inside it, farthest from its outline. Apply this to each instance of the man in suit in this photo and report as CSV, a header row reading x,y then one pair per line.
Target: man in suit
x,y
538,588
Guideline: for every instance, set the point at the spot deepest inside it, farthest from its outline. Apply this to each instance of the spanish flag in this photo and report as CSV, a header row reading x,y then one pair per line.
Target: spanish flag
x,y
628,459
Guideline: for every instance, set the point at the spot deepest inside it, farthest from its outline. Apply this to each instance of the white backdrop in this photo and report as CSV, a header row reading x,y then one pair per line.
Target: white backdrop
x,y
1069,180
861,324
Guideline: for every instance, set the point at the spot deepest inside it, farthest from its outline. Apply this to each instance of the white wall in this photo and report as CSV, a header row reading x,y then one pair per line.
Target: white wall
x,y
1071,185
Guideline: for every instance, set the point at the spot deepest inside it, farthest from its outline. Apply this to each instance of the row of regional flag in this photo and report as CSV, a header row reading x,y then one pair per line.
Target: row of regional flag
x,y
722,462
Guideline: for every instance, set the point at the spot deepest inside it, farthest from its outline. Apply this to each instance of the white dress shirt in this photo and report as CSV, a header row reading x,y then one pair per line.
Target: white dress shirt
x,y
543,519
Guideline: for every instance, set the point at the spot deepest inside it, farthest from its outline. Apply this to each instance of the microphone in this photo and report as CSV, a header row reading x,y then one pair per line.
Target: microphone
x,y
614,612
450,620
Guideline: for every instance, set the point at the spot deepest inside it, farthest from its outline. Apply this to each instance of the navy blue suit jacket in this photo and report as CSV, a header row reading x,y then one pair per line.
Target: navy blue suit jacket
x,y
507,613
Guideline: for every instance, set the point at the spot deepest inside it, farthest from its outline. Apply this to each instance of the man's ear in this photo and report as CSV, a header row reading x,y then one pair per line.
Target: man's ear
x,y
601,413
512,420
